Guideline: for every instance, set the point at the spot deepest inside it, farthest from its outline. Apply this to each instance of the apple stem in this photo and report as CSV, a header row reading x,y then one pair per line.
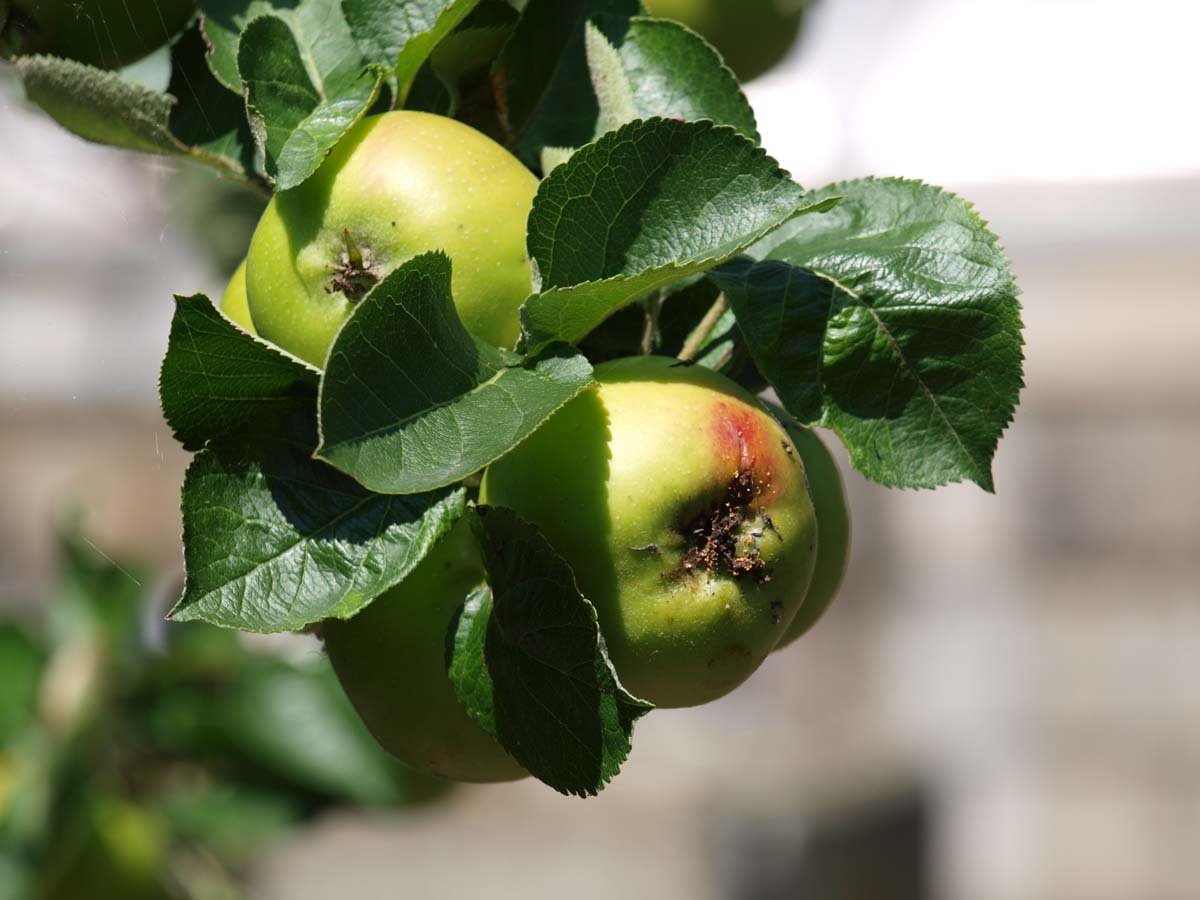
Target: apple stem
x,y
653,305
700,334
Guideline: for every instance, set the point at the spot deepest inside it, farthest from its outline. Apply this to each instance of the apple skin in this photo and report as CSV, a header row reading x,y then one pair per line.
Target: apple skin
x,y
391,661
234,302
617,478
400,183
752,35
108,34
833,519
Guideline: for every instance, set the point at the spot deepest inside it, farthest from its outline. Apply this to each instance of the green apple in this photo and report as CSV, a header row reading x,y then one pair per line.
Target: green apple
x,y
685,515
398,184
391,661
234,302
833,520
752,35
104,33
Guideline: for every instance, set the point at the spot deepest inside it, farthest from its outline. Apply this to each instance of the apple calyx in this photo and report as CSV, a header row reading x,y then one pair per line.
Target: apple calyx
x,y
355,272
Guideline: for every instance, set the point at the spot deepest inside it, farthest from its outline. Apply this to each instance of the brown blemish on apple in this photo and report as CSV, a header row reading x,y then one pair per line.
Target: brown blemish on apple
x,y
714,543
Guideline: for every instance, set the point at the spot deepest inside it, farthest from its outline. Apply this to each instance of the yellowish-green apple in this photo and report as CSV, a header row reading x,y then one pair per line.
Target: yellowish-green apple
x,y
752,35
234,302
683,510
391,661
104,33
833,520
398,184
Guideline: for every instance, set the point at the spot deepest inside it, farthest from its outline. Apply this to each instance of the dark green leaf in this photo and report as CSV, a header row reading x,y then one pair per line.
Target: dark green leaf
x,y
298,724
642,207
653,67
399,35
469,50
208,117
296,120
275,540
908,345
318,27
216,378
783,311
530,664
542,75
411,401
222,29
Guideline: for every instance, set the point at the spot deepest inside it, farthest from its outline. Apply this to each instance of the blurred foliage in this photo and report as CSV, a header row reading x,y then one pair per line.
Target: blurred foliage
x,y
219,214
141,759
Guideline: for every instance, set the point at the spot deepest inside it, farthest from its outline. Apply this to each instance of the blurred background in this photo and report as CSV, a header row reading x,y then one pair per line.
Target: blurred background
x,y
1001,705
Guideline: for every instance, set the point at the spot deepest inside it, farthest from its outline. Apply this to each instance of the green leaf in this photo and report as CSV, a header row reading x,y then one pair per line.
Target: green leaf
x,y
783,311
467,51
530,665
542,75
100,106
301,98
21,659
208,117
222,26
275,540
298,724
399,35
644,67
644,206
216,378
411,401
318,27
908,344
203,124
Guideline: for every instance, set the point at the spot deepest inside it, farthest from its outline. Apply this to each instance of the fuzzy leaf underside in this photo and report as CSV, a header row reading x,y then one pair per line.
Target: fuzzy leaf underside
x,y
542,79
642,67
530,666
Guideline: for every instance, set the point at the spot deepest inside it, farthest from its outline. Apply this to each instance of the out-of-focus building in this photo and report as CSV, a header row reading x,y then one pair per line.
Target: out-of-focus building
x,y
1002,704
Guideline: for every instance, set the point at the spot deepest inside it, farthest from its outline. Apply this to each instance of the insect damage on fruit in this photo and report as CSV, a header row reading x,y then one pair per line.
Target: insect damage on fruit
x,y
715,544
717,539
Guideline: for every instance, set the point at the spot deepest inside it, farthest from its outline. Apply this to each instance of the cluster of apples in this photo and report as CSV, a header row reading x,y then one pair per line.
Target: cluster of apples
x,y
688,513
